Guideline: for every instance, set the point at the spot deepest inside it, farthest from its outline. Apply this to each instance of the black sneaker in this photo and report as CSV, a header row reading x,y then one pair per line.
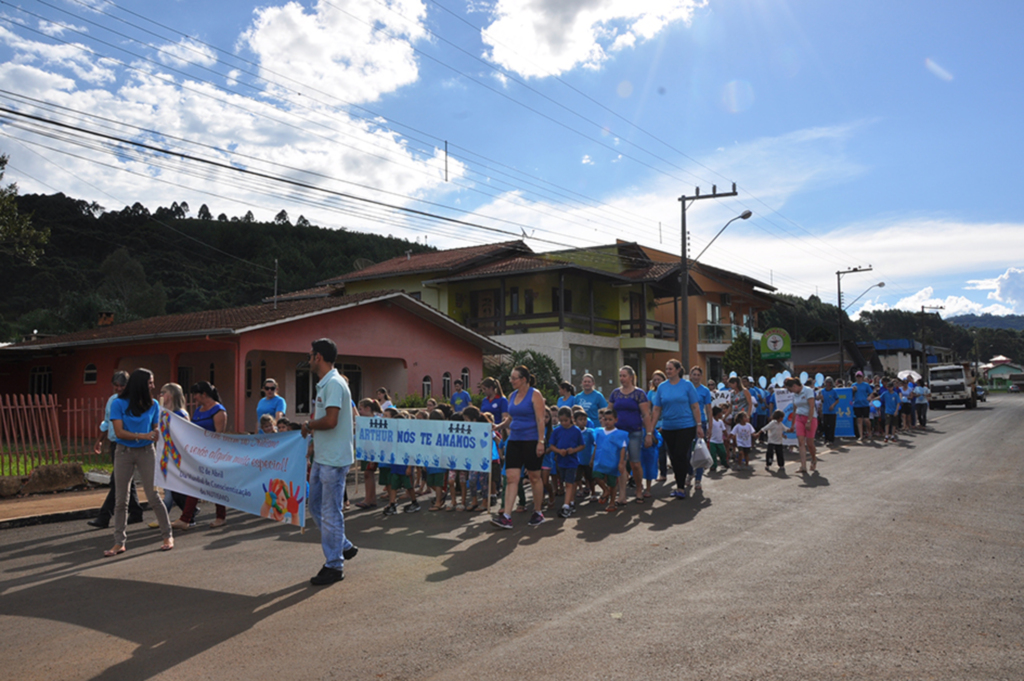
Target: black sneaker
x,y
96,522
503,521
536,519
565,512
411,507
350,552
327,576
390,509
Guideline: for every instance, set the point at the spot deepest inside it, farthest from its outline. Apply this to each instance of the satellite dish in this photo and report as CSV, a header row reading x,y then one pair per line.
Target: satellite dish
x,y
819,380
763,382
362,263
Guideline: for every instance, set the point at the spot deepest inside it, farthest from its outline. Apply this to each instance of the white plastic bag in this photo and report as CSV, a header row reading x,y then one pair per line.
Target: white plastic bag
x,y
701,457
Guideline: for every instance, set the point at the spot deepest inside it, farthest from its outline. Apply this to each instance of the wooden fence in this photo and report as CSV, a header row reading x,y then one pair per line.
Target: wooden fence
x,y
29,433
82,418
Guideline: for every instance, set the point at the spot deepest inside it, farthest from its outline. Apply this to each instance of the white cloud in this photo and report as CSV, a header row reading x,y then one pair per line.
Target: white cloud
x,y
549,37
71,57
187,51
937,70
587,161
953,306
334,47
1008,287
52,29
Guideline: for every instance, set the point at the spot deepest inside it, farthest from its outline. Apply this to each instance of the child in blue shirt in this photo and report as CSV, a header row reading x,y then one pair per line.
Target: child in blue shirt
x,y
609,453
891,408
586,455
565,443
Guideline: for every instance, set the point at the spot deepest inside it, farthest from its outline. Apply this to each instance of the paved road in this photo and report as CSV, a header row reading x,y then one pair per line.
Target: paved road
x,y
902,562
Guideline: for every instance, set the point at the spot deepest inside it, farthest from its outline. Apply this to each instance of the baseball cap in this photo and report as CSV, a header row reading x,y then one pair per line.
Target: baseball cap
x,y
859,373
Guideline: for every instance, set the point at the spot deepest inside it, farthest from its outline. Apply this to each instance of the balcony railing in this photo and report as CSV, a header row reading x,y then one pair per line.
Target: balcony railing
x,y
721,333
578,323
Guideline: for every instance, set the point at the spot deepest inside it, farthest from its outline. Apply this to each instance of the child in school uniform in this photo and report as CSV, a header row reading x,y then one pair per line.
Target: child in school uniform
x,y
400,477
610,445
776,431
584,474
743,431
719,457
565,443
548,470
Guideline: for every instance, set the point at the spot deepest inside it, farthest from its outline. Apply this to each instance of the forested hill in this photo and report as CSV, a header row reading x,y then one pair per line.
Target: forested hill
x,y
129,263
990,321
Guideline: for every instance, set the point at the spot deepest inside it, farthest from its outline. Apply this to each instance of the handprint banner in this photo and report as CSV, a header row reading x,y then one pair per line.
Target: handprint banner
x,y
844,412
455,445
260,474
784,401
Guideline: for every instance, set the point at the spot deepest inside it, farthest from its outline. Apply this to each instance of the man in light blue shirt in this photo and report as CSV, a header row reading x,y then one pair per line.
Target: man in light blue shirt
x,y
591,400
333,454
460,398
102,521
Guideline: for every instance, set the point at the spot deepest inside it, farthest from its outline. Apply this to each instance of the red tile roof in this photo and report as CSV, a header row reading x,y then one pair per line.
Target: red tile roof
x,y
433,261
219,322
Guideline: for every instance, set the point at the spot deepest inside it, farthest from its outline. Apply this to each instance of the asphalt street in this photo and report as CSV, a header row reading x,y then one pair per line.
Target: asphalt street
x,y
903,561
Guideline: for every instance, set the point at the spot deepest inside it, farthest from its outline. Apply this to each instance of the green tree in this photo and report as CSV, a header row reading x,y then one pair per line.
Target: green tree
x,y
17,235
204,213
737,358
544,369
282,218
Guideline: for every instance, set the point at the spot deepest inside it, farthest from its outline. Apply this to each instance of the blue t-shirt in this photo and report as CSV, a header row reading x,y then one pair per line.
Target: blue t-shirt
x,y
592,403
890,402
566,438
204,419
704,398
861,394
132,423
676,402
762,399
270,405
829,400
627,407
608,449
497,408
566,401
586,455
524,420
461,400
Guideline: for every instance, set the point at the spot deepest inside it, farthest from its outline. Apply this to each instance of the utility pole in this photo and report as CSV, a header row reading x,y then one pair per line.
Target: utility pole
x,y
684,274
924,364
839,301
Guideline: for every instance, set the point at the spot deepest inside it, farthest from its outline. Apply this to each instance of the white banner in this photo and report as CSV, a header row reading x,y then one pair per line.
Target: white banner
x,y
455,445
260,474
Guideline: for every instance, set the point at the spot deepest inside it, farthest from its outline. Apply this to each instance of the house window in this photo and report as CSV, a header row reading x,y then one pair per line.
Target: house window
x,y
303,396
248,378
528,301
715,369
213,375
40,381
513,300
263,373
446,386
566,297
185,378
416,295
726,299
465,379
428,387
353,373
714,313
90,374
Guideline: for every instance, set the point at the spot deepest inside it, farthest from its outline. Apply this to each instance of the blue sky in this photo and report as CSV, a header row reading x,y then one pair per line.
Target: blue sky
x,y
880,133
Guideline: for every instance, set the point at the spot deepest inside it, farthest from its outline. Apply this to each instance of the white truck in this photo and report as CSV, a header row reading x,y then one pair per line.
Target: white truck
x,y
953,384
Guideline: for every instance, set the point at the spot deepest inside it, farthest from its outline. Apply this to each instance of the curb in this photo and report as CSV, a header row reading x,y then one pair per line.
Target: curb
x,y
47,518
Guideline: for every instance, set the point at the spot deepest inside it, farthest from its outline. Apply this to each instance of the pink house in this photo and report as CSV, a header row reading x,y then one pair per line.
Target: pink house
x,y
385,338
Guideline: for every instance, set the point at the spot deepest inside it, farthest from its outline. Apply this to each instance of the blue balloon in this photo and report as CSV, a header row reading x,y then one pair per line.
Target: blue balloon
x,y
819,380
786,374
721,386
877,404
732,374
763,382
803,377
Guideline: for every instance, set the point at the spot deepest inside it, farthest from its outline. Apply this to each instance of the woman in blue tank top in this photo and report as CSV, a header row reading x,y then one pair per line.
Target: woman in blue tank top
x,y
525,447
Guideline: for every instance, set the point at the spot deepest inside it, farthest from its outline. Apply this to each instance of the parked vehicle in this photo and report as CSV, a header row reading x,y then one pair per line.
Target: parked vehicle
x,y
1014,388
982,394
953,384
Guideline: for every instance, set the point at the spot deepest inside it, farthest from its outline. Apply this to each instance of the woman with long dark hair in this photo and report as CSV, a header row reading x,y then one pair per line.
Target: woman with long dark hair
x,y
135,415
211,415
677,406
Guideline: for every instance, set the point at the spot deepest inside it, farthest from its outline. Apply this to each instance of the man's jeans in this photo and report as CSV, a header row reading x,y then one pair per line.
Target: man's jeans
x,y
326,499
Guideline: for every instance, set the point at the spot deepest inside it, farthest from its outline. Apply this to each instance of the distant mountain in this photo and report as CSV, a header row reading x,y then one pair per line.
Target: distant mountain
x,y
989,321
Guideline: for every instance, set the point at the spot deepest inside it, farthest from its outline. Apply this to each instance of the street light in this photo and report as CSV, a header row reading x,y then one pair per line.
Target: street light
x,y
839,305
880,284
684,279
